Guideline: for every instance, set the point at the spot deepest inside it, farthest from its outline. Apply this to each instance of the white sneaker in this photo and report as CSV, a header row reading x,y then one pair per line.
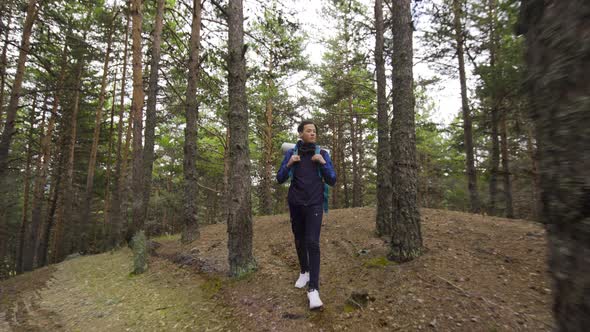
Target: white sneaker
x,y
303,280
314,299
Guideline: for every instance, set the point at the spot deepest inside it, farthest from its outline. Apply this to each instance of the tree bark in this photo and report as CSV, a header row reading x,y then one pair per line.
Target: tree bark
x,y
495,161
107,195
37,235
116,220
86,222
25,224
3,65
509,211
557,58
536,184
65,195
191,221
406,241
495,155
150,112
467,126
137,111
383,222
356,180
239,218
9,128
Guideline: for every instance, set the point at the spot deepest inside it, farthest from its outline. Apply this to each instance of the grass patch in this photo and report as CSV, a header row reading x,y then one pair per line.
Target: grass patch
x,y
377,262
211,286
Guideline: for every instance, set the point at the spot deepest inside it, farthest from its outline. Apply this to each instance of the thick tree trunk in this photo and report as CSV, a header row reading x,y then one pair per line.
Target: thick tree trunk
x,y
25,224
239,218
191,221
137,111
150,112
467,127
536,184
9,128
509,211
406,241
63,214
115,224
86,220
37,235
558,61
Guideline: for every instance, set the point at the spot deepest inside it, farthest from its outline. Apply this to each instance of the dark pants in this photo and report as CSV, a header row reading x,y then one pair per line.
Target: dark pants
x,y
306,223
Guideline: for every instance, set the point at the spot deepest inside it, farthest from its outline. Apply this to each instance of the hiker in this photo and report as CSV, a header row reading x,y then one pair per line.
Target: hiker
x,y
309,168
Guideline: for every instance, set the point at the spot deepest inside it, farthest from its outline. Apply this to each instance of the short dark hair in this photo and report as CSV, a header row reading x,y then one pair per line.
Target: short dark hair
x,y
306,122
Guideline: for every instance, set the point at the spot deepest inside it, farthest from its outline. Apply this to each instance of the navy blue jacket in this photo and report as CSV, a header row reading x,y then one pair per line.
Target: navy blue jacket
x,y
307,188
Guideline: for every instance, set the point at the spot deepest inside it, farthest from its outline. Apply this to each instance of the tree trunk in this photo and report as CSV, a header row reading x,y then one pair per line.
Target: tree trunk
x,y
42,252
406,241
116,220
509,212
557,80
536,184
239,217
356,182
495,155
137,111
25,224
335,161
467,127
9,128
86,220
191,221
360,162
39,236
342,172
150,113
383,221
65,195
495,161
267,181
3,65
107,195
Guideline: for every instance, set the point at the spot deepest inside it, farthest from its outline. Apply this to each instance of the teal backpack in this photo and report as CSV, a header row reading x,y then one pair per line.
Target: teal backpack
x,y
326,186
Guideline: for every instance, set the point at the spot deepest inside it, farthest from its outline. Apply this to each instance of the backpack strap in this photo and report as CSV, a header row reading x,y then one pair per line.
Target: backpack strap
x,y
326,187
295,152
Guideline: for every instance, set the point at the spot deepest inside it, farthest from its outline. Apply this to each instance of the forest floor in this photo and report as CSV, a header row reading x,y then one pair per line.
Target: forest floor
x,y
477,273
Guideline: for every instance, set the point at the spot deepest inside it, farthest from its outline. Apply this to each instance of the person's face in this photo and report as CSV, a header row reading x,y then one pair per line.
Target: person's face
x,y
308,135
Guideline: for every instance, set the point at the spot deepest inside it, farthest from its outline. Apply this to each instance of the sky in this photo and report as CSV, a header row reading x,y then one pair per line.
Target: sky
x,y
445,94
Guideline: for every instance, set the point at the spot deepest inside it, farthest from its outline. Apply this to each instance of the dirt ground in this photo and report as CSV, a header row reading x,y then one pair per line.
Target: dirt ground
x,y
477,274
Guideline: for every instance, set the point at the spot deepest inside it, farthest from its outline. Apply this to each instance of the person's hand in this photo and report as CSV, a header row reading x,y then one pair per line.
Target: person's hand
x,y
294,159
318,159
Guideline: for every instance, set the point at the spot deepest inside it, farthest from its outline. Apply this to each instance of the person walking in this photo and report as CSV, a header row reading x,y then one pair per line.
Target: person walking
x,y
309,169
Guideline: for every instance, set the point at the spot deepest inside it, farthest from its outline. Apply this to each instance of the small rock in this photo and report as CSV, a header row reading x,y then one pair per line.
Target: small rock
x,y
433,323
474,319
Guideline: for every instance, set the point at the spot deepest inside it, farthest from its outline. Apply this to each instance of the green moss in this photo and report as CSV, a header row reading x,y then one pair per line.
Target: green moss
x,y
139,253
349,308
211,286
244,272
377,262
